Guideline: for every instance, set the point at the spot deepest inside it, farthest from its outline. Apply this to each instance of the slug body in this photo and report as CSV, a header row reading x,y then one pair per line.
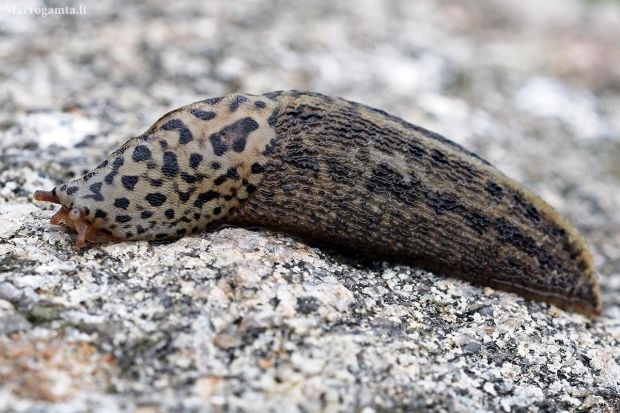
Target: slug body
x,y
337,173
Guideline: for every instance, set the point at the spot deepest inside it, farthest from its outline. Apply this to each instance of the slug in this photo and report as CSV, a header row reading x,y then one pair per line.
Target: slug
x,y
337,173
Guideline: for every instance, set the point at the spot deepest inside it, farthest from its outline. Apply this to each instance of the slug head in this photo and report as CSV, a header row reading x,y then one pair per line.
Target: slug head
x,y
74,218
190,169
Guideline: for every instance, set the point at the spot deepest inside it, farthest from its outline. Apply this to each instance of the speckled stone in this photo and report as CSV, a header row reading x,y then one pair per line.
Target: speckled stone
x,y
236,320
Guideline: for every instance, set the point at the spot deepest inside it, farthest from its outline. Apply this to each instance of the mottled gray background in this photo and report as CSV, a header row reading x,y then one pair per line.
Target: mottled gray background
x,y
247,321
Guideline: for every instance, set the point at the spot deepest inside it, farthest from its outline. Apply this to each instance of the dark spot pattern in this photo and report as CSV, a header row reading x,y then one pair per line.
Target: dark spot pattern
x,y
257,168
532,212
169,213
109,178
185,135
213,101
123,218
439,157
129,182
156,199
230,174
121,203
495,190
141,153
89,175
170,168
233,136
146,214
190,179
205,197
72,190
273,118
201,114
270,148
508,233
557,232
416,150
194,160
385,179
521,204
116,165
184,196
236,102
96,192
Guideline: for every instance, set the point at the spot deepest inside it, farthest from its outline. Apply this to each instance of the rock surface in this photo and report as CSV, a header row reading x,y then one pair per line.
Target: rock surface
x,y
251,321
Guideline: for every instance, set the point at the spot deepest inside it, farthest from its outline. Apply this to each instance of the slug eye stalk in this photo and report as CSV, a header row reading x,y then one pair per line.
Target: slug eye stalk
x,y
47,196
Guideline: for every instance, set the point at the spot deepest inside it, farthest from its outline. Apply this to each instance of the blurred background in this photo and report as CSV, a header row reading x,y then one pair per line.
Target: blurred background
x,y
533,87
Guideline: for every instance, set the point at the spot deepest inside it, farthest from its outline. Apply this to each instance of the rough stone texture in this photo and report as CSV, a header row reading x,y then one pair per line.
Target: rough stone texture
x,y
247,321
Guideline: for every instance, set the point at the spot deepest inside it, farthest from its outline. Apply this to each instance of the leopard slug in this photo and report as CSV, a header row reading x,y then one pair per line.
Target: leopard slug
x,y
337,173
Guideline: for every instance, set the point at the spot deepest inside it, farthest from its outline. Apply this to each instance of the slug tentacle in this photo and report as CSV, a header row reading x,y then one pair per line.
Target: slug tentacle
x,y
335,173
61,214
47,196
